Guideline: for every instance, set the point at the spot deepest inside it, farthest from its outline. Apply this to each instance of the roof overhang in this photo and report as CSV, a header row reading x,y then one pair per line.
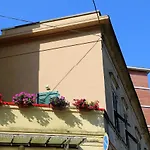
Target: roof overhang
x,y
56,27
34,140
51,20
139,69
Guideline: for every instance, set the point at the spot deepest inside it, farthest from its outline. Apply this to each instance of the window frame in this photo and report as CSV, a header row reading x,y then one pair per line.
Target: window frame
x,y
114,90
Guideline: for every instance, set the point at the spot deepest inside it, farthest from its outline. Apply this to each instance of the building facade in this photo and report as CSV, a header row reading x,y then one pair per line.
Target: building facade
x,y
78,57
139,78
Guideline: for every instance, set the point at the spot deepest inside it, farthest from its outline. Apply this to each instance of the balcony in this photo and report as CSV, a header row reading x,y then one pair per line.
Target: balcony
x,y
44,123
46,120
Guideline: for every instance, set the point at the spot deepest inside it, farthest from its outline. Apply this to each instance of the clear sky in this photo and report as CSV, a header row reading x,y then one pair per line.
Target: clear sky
x,y
130,19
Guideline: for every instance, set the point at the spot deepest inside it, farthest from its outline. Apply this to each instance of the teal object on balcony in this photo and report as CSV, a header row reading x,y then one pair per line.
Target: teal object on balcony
x,y
44,97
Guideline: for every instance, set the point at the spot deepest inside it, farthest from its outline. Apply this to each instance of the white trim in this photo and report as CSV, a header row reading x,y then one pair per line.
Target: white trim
x,y
141,87
148,126
145,106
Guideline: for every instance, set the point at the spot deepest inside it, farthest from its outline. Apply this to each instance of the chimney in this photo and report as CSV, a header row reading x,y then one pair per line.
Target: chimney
x,y
139,77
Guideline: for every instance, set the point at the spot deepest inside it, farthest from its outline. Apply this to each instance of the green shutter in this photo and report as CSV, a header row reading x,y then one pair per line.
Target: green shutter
x,y
44,97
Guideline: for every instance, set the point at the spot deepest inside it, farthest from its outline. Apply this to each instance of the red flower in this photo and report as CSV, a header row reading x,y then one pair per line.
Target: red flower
x,y
83,104
1,101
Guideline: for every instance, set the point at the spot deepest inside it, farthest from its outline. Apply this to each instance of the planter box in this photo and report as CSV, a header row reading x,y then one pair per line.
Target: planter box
x,y
46,120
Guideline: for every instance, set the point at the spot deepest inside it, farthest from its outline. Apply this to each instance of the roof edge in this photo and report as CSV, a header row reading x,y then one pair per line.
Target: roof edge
x,y
18,26
71,16
62,26
50,20
141,69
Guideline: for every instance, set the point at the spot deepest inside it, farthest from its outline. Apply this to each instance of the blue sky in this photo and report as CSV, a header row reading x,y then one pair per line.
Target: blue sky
x,y
130,20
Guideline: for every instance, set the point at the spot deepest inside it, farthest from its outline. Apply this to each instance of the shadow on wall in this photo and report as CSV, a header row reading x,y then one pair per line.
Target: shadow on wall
x,y
6,116
98,119
37,114
68,116
71,120
19,63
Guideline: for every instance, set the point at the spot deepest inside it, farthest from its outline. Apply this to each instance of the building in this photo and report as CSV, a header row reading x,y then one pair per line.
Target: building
x,y
139,78
79,57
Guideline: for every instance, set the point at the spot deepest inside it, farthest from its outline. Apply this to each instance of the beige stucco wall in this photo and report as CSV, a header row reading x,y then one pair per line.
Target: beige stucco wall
x,y
32,65
89,124
45,120
132,119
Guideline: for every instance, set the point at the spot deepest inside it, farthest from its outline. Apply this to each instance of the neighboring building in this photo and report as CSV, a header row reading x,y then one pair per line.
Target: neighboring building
x,y
139,78
79,57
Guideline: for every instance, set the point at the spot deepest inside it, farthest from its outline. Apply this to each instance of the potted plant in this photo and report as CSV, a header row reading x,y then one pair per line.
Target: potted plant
x,y
24,99
83,104
59,102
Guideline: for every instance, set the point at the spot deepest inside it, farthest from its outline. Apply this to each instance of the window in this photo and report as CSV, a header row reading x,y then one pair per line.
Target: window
x,y
115,87
138,137
120,108
124,114
133,142
124,104
115,108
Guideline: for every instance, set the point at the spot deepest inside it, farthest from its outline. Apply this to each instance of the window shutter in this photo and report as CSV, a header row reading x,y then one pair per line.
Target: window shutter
x,y
44,97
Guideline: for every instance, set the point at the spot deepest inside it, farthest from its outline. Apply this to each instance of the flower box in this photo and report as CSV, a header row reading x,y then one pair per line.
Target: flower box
x,y
58,102
83,104
24,99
